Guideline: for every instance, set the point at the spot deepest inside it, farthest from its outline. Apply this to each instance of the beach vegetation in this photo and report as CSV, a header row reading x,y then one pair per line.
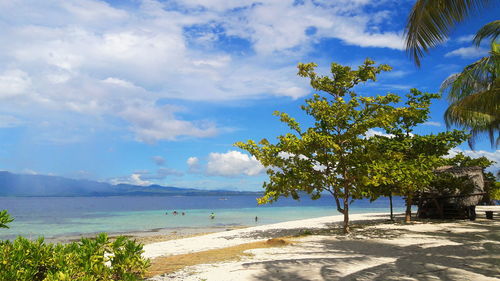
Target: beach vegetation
x,y
474,94
93,259
494,191
330,156
5,219
339,156
407,161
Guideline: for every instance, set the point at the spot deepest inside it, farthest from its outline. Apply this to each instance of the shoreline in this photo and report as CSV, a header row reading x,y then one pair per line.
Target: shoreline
x,y
259,233
150,235
174,232
158,235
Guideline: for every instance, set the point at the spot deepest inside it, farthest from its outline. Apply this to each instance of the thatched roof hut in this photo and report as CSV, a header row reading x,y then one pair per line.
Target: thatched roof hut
x,y
448,198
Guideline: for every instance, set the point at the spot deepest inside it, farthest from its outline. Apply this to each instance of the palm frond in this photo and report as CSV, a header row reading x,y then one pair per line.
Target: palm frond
x,y
469,118
431,21
490,30
479,76
476,121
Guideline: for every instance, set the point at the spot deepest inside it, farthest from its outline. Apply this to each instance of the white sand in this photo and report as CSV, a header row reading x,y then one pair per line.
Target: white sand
x,y
460,250
246,235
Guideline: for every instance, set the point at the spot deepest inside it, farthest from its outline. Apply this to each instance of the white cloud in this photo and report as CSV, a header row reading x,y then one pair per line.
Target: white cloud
x,y
432,123
192,161
395,74
13,83
468,52
372,132
134,179
145,177
282,25
151,124
465,38
193,164
90,60
233,163
118,82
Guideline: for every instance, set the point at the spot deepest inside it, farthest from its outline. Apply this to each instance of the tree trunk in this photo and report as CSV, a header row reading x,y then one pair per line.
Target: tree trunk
x,y
390,203
346,210
408,208
439,207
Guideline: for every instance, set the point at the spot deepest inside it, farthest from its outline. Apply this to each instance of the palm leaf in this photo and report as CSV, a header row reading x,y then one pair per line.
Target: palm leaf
x,y
474,95
431,21
490,30
477,122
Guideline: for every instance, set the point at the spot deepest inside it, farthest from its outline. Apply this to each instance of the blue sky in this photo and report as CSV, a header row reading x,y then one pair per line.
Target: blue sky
x,y
158,91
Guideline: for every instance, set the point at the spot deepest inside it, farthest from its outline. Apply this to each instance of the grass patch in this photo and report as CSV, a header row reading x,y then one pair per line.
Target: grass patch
x,y
162,265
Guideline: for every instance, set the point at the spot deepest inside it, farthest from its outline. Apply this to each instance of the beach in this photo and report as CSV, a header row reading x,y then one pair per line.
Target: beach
x,y
315,249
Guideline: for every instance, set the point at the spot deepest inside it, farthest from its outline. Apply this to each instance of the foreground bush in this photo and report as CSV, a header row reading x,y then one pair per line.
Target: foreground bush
x,y
89,260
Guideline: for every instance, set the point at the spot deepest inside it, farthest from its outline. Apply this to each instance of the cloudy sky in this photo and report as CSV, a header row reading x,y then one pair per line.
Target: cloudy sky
x,y
158,91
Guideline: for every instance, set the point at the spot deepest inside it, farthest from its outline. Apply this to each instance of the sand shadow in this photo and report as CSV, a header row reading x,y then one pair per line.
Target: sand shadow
x,y
474,251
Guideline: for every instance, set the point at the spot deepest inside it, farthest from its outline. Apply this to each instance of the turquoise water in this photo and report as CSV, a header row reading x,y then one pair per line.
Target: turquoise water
x,y
59,216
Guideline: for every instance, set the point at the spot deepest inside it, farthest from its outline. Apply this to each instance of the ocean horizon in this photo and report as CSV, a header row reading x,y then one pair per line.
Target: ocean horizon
x,y
54,217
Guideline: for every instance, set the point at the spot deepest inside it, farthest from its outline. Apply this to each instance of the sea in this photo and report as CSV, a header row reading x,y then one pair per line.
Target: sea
x,y
54,217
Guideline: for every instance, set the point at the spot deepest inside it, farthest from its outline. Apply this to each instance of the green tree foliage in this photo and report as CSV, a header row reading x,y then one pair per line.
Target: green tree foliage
x,y
334,155
494,192
462,160
5,218
406,161
98,259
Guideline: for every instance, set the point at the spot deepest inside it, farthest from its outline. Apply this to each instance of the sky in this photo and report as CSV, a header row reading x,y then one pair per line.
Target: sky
x,y
157,92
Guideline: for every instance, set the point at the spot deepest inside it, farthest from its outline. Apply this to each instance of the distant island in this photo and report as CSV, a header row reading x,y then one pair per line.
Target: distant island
x,y
53,186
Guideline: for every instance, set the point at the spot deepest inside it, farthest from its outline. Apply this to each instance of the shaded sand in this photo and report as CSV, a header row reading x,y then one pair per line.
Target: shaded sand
x,y
376,250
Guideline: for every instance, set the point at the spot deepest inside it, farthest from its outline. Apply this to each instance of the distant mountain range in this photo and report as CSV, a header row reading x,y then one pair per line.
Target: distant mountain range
x,y
40,185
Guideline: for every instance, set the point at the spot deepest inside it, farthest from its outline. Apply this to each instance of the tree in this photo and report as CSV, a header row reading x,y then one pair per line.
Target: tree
x,y
462,160
334,155
5,218
430,22
406,163
474,93
474,96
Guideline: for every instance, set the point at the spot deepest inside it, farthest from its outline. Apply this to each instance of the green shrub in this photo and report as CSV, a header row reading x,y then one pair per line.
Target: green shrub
x,y
88,260
5,218
495,191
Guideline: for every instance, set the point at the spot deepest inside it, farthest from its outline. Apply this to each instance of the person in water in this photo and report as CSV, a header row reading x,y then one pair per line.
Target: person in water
x,y
256,218
212,216
183,213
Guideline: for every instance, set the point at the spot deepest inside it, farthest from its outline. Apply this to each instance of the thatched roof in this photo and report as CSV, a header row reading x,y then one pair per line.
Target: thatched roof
x,y
475,174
